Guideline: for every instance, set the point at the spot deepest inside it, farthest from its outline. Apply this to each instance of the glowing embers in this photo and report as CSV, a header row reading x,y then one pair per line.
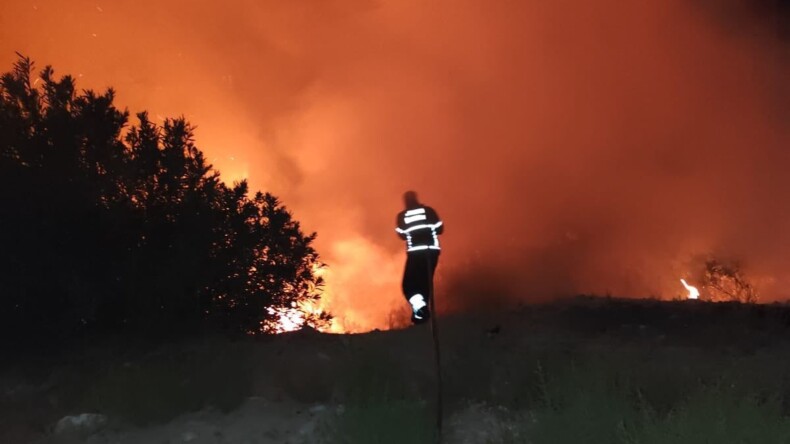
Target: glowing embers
x,y
298,315
693,292
307,311
285,319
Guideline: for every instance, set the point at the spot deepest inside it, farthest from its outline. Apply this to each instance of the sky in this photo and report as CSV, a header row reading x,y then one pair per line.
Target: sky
x,y
569,146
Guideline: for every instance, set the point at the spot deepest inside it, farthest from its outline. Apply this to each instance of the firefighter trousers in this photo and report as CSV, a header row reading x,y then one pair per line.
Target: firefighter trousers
x,y
418,273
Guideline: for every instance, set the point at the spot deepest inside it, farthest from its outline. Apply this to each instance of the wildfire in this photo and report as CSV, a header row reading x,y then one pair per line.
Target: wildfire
x,y
693,292
295,317
303,313
287,319
358,267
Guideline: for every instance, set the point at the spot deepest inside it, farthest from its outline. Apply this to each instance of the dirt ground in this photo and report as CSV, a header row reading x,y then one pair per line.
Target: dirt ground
x,y
256,421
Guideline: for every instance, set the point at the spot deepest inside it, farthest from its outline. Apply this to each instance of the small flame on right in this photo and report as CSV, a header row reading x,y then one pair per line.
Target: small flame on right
x,y
693,292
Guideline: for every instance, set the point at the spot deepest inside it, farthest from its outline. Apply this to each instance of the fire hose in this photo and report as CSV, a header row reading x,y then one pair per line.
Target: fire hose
x,y
436,350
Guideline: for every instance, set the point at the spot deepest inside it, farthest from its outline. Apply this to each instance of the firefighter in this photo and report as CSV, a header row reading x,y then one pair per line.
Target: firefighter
x,y
420,227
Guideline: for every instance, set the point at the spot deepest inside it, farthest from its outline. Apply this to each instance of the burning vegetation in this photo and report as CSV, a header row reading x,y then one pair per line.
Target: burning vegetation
x,y
112,227
693,292
726,282
577,147
722,282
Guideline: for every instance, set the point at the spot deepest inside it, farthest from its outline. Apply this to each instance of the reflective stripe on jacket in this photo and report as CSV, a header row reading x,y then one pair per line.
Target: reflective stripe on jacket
x,y
420,228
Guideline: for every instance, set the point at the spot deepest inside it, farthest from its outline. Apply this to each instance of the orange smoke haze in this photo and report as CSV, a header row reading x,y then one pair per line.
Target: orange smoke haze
x,y
570,146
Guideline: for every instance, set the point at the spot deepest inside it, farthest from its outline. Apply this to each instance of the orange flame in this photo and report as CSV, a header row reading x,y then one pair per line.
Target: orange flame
x,y
287,319
693,292
357,266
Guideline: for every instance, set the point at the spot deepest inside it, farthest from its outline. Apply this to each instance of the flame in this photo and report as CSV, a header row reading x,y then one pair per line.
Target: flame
x,y
322,125
287,319
357,266
693,292
301,313
297,316
362,285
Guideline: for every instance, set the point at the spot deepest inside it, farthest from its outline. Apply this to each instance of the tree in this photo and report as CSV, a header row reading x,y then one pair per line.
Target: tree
x,y
725,281
108,226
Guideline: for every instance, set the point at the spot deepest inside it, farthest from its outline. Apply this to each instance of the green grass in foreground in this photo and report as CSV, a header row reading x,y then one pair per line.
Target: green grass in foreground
x,y
160,387
380,408
591,404
627,398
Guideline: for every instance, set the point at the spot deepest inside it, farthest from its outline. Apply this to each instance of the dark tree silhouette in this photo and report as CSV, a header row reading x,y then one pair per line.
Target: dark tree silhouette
x,y
111,227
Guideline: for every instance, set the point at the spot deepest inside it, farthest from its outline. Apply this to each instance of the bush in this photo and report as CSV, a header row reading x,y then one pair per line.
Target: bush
x,y
725,281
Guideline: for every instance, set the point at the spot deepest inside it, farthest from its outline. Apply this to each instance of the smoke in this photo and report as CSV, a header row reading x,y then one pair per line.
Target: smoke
x,y
570,146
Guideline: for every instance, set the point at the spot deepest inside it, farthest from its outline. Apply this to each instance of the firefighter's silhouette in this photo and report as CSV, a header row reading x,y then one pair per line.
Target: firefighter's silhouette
x,y
420,227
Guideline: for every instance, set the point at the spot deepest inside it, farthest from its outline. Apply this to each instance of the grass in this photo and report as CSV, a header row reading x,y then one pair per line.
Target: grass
x,y
384,421
380,405
628,397
606,372
594,410
159,387
714,415
604,394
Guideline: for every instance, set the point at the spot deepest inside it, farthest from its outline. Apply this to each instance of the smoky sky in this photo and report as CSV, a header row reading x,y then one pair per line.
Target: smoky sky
x,y
570,146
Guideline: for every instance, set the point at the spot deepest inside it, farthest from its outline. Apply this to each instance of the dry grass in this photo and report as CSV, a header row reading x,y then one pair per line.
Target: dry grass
x,y
609,371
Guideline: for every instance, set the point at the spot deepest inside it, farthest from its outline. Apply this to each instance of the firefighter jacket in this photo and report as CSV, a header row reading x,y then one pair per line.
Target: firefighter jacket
x,y
420,227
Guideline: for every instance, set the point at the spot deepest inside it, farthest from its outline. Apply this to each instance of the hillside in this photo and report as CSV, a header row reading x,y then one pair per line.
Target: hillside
x,y
618,370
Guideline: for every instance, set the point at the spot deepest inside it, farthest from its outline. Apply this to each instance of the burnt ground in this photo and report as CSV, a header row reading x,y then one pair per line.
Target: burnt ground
x,y
506,377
